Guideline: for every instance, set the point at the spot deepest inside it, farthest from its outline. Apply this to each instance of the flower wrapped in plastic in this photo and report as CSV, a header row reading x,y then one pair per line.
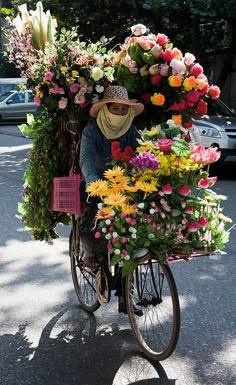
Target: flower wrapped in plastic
x,y
160,199
172,85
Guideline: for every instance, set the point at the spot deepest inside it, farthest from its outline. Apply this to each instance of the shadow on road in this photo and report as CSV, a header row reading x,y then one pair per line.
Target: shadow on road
x,y
71,351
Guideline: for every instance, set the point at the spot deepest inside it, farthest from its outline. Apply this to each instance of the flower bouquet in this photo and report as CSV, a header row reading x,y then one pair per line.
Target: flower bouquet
x,y
159,198
171,84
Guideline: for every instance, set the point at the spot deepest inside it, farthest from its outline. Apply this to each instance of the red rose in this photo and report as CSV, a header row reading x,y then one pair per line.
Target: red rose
x,y
167,55
188,124
115,150
201,108
164,145
155,79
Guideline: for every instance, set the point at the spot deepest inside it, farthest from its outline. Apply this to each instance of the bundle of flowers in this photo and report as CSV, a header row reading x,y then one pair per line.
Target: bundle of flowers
x,y
64,72
159,198
171,84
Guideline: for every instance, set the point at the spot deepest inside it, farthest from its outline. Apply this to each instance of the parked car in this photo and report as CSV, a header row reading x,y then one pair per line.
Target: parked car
x,y
217,129
15,105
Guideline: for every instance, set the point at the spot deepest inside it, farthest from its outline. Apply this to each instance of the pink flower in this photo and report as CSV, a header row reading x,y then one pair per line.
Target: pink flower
x,y
123,240
192,227
74,88
37,100
128,220
213,92
164,68
164,145
162,39
168,55
62,103
192,97
56,89
196,70
213,154
202,222
124,252
201,108
109,246
203,183
178,66
155,79
181,106
184,191
189,210
48,75
189,58
145,42
97,235
212,181
167,189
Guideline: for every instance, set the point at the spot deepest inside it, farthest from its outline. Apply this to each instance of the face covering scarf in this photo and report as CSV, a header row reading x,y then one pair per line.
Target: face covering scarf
x,y
114,126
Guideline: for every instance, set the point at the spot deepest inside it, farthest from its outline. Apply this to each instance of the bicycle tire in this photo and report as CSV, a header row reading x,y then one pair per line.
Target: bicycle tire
x,y
84,279
152,289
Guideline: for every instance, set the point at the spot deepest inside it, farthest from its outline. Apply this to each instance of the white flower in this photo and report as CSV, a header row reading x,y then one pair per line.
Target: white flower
x,y
138,29
104,230
152,211
141,205
189,58
178,66
100,206
133,236
108,236
123,230
151,236
127,257
97,73
112,213
99,88
108,221
117,251
132,230
115,234
170,123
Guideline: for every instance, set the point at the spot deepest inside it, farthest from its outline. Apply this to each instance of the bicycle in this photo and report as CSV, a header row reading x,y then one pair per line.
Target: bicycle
x,y
151,288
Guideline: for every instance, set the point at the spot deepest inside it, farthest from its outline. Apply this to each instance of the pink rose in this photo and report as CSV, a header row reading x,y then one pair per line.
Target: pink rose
x,y
155,79
74,88
184,190
109,246
196,70
192,227
164,145
123,240
97,235
202,222
48,75
162,39
181,106
124,252
189,58
213,92
145,42
62,103
164,68
192,97
201,108
167,189
189,210
167,55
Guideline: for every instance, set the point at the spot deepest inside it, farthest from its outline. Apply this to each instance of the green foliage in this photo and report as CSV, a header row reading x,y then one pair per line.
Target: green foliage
x,y
45,162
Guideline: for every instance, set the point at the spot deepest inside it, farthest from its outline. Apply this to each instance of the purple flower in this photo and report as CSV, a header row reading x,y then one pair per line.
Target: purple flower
x,y
145,160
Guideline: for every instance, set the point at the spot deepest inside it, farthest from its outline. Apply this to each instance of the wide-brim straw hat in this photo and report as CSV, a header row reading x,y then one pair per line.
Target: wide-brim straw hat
x,y
116,94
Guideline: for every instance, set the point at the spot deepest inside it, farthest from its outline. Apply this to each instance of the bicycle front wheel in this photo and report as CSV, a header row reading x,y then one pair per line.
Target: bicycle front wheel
x,y
84,279
151,289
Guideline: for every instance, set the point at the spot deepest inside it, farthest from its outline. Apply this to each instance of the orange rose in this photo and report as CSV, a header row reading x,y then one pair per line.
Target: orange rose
x,y
157,99
189,83
174,81
177,119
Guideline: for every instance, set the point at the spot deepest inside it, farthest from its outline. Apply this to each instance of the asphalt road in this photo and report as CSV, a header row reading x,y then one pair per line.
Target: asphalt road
x,y
46,338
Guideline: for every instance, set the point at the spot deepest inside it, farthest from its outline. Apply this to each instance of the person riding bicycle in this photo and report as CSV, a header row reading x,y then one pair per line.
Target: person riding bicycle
x,y
113,120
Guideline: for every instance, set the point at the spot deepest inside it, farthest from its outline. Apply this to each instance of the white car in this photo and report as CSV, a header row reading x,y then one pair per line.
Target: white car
x,y
217,129
15,105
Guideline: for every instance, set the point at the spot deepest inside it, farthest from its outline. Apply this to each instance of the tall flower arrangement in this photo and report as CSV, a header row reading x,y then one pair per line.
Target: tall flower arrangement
x,y
171,84
159,198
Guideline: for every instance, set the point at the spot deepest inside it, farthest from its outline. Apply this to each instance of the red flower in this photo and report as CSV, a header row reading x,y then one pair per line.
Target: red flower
x,y
164,145
167,55
188,124
115,150
155,79
201,108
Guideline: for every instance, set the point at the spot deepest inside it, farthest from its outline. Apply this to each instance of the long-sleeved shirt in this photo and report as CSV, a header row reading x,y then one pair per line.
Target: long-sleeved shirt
x,y
95,149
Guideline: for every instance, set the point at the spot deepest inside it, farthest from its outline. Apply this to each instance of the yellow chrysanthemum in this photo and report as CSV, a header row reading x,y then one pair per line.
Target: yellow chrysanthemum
x,y
104,213
116,199
131,189
114,172
98,188
119,183
146,187
128,209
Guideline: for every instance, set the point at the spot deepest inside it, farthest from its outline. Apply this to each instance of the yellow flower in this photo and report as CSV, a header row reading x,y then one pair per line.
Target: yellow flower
x,y
114,172
146,187
131,189
97,188
153,131
63,70
128,209
116,199
157,99
118,183
104,213
74,73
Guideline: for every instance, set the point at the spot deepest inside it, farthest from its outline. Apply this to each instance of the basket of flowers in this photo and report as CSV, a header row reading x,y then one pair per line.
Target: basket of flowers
x,y
160,199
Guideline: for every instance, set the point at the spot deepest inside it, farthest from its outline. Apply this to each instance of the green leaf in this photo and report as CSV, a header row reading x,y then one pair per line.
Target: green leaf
x,y
6,11
181,147
128,267
115,259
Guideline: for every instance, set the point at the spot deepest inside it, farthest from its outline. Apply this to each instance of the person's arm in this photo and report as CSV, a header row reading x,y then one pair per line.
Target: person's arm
x,y
88,154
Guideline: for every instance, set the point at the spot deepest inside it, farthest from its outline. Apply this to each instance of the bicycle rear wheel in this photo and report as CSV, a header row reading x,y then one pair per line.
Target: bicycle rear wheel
x,y
84,279
152,289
